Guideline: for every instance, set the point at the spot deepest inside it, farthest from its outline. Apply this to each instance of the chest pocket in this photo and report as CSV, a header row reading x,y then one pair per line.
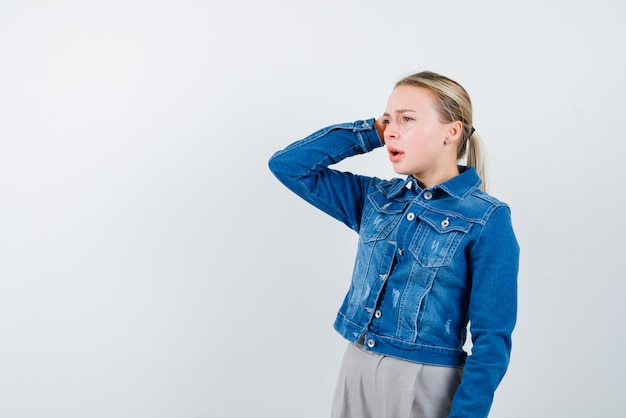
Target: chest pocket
x,y
437,238
380,217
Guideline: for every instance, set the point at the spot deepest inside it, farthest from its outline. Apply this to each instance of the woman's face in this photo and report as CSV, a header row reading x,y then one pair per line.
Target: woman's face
x,y
416,138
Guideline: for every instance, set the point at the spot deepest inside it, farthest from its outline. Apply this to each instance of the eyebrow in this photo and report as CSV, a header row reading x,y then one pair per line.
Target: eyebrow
x,y
400,111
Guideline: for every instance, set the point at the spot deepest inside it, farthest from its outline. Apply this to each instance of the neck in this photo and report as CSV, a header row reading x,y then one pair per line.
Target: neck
x,y
434,179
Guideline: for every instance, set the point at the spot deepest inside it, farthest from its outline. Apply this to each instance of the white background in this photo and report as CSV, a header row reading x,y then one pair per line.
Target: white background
x,y
151,266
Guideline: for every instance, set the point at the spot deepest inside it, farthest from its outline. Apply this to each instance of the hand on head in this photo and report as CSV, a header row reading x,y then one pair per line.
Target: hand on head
x,y
380,128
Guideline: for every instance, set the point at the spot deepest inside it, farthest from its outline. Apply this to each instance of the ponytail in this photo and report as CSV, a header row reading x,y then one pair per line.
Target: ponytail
x,y
476,158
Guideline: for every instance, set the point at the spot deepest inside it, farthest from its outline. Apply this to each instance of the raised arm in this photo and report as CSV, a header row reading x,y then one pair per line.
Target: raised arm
x,y
304,168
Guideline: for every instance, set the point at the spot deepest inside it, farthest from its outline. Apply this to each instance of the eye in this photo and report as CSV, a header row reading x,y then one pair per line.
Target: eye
x,y
407,119
386,121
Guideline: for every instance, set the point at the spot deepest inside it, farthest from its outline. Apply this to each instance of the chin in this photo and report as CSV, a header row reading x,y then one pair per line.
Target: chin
x,y
400,171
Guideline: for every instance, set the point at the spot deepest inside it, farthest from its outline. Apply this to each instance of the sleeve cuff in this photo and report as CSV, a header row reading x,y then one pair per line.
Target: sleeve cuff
x,y
368,135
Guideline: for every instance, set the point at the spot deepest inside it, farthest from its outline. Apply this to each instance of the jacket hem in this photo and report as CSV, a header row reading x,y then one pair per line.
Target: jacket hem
x,y
393,347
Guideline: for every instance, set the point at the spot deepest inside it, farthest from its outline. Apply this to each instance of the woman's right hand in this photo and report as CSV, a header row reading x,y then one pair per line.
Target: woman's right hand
x,y
380,126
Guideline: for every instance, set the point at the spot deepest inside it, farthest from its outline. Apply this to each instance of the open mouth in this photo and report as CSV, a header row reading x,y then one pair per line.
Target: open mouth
x,y
394,153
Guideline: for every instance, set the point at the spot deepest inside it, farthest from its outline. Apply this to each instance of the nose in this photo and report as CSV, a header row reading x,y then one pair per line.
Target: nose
x,y
391,131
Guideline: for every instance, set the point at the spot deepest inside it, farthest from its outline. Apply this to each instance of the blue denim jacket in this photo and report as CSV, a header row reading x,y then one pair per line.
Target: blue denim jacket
x,y
429,261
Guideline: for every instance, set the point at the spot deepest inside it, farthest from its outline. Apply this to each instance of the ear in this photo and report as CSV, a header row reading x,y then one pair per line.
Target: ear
x,y
454,132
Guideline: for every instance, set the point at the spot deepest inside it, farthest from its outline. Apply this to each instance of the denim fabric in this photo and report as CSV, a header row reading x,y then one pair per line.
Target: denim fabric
x,y
429,261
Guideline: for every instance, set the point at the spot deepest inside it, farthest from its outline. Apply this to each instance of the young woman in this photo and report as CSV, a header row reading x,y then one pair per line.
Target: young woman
x,y
435,253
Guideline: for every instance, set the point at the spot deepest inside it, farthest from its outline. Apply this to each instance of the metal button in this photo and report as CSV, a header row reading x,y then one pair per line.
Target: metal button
x,y
428,195
410,216
371,343
378,313
400,251
445,223
365,125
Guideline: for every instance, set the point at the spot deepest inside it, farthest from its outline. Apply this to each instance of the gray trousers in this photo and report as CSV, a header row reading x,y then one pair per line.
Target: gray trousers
x,y
371,385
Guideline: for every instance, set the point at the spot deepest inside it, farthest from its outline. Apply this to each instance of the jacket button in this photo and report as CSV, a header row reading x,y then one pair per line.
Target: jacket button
x,y
410,216
400,251
378,313
371,343
428,195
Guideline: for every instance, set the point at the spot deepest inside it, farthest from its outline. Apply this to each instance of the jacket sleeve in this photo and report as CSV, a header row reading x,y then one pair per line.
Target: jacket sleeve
x,y
304,168
492,314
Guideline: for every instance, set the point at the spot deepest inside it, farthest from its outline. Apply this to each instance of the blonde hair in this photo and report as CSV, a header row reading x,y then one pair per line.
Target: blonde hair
x,y
454,104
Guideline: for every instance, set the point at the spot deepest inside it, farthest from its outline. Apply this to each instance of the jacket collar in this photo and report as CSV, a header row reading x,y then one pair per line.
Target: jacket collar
x,y
458,187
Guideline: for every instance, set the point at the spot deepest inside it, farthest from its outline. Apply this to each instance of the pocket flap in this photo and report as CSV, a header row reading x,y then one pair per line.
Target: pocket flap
x,y
444,223
385,205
